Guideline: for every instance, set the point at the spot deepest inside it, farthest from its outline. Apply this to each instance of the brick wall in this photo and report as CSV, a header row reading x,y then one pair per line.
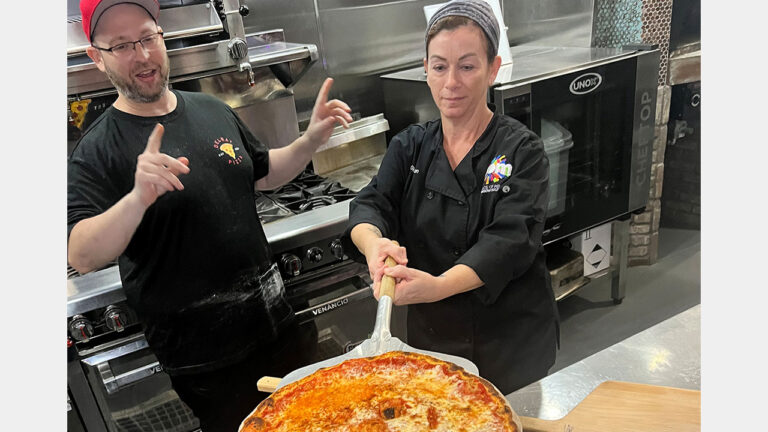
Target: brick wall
x,y
644,228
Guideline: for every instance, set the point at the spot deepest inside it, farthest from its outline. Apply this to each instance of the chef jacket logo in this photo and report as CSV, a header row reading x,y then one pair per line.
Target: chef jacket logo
x,y
497,171
586,83
227,150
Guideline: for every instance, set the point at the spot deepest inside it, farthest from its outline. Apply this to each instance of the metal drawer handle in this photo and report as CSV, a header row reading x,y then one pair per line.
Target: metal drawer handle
x,y
113,384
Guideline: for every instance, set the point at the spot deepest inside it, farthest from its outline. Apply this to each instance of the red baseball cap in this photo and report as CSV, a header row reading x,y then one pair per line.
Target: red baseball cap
x,y
93,9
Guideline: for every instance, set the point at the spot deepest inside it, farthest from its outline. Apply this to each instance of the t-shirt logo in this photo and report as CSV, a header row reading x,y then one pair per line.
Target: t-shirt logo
x,y
227,150
498,170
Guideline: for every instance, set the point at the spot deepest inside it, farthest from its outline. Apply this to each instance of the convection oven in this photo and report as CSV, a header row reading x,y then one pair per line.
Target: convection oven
x,y
594,109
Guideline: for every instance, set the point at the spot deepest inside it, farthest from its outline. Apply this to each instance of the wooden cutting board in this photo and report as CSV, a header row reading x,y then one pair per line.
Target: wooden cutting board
x,y
616,406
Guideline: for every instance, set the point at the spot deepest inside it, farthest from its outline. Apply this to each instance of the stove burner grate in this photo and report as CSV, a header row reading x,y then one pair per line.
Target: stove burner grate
x,y
306,192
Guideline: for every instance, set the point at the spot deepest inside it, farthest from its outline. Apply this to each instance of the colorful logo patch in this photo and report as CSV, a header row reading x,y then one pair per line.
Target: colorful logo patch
x,y
228,150
498,170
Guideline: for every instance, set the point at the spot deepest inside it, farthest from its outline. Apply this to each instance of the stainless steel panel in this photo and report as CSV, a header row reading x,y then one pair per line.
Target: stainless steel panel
x,y
358,129
534,62
267,107
356,39
84,79
291,232
667,354
407,101
179,22
273,122
93,291
549,22
367,37
83,398
643,127
297,19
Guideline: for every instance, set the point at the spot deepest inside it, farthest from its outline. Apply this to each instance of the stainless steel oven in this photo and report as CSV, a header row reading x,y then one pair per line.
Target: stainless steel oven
x,y
130,390
338,304
114,381
594,108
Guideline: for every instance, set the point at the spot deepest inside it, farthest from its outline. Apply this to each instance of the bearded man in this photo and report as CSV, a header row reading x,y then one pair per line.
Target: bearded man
x,y
163,181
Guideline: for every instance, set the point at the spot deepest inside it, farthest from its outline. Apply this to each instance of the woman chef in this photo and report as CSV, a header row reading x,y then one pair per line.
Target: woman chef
x,y
466,194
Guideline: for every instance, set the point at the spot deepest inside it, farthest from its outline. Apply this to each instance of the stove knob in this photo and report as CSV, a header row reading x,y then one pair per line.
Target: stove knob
x,y
315,254
291,265
238,48
115,319
337,249
80,328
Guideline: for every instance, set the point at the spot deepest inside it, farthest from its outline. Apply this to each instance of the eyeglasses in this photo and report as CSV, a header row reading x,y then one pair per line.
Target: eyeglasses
x,y
126,49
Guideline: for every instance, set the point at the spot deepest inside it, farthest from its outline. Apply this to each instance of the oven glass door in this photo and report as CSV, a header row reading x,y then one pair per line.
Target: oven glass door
x,y
342,311
132,391
585,120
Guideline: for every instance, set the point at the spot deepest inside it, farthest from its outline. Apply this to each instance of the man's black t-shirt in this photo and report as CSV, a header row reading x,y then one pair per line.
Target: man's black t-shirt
x,y
190,270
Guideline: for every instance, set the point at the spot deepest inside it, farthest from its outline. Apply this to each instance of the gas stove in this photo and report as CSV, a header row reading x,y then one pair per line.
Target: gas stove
x,y
308,191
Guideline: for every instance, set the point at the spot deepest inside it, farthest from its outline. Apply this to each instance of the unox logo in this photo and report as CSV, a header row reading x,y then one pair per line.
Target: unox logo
x,y
585,83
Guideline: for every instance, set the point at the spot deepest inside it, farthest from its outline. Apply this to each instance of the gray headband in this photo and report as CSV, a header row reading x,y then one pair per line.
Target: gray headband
x,y
476,10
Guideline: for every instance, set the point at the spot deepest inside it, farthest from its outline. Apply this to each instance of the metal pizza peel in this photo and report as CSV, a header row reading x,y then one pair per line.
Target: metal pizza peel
x,y
380,342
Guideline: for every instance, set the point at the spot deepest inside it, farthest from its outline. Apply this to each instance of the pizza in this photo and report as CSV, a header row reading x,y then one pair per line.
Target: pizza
x,y
396,391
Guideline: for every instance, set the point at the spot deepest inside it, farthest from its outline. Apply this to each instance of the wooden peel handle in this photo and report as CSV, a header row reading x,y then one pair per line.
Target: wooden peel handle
x,y
388,282
267,384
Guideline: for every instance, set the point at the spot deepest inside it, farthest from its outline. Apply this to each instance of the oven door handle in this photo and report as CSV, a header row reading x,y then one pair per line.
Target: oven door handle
x,y
338,302
113,383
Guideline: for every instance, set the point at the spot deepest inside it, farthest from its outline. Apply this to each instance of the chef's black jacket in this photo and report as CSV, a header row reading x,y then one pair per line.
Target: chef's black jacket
x,y
487,214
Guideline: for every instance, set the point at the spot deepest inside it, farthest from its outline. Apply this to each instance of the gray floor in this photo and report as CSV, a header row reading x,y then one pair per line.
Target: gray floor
x,y
590,322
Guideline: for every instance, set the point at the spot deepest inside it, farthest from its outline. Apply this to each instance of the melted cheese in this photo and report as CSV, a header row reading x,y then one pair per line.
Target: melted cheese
x,y
394,395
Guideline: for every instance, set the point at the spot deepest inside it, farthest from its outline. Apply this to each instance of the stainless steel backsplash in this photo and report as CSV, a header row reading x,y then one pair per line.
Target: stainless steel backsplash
x,y
358,40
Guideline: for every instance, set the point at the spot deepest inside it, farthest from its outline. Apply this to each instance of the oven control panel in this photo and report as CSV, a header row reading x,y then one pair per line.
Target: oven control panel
x,y
99,324
299,261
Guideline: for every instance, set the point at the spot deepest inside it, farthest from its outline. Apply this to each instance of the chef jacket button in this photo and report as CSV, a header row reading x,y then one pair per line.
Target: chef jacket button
x,y
456,252
430,194
461,203
505,189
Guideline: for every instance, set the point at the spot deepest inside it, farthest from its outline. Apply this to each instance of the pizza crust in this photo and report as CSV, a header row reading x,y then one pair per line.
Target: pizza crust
x,y
394,391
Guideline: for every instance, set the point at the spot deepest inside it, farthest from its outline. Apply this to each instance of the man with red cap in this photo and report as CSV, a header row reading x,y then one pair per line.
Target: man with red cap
x,y
164,181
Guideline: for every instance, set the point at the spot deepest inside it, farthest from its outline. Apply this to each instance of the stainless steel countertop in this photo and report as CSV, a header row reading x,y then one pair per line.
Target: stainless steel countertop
x,y
667,354
535,62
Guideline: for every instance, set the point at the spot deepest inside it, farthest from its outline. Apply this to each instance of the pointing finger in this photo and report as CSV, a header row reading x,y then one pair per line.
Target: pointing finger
x,y
155,139
325,89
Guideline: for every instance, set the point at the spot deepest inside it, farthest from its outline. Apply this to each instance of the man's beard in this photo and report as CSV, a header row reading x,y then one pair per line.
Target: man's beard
x,y
133,91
